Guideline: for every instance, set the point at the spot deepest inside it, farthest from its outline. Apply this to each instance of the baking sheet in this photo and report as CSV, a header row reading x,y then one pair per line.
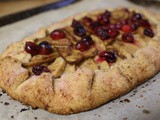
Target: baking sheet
x,y
143,103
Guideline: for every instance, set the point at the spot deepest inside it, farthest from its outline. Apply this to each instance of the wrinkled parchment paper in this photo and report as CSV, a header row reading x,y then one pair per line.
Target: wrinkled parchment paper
x,y
143,103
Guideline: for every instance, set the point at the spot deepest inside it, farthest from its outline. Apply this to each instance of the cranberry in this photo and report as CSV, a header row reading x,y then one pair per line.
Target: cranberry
x,y
38,69
88,40
112,32
80,31
87,20
57,34
82,46
32,48
134,26
94,25
102,32
148,32
112,26
45,48
124,22
137,16
107,13
128,37
110,57
144,23
118,25
75,23
126,28
103,20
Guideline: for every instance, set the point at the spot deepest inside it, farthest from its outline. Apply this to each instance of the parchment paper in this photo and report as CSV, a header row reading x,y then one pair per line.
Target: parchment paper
x,y
143,103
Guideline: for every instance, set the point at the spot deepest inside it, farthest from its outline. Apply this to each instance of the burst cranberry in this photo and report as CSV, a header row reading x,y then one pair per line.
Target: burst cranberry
x,y
75,23
137,16
39,69
87,20
88,40
94,25
82,46
32,48
148,32
112,32
57,34
45,48
144,23
128,37
126,28
110,57
80,31
102,32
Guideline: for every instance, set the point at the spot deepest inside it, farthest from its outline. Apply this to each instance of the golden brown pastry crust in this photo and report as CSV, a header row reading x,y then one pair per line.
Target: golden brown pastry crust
x,y
85,88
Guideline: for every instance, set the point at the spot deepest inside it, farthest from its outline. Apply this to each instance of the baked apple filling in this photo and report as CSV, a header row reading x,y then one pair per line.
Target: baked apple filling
x,y
96,41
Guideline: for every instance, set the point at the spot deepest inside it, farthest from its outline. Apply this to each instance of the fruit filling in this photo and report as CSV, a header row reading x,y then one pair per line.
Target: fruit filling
x,y
102,37
39,69
57,34
84,44
44,48
110,57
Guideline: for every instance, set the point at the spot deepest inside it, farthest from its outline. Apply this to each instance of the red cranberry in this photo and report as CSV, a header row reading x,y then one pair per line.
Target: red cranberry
x,y
112,26
87,20
38,69
103,20
94,25
82,46
75,23
124,22
88,40
148,32
136,17
57,34
110,57
126,28
102,32
107,13
112,32
128,37
32,48
118,25
144,23
80,31
134,26
45,48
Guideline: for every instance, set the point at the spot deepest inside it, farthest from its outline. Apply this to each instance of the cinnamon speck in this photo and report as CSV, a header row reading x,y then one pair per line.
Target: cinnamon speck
x,y
146,111
35,118
141,95
109,107
6,103
3,91
154,80
146,84
12,116
121,101
24,109
126,100
125,118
